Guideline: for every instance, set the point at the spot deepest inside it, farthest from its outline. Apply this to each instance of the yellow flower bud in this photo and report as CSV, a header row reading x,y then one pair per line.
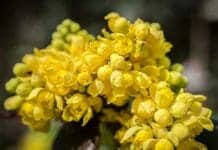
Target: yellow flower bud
x,y
75,109
176,79
117,23
143,135
179,109
77,44
74,27
29,59
149,144
146,109
164,97
177,67
141,30
128,79
27,109
122,45
93,61
164,61
119,97
13,102
45,99
12,84
159,131
116,79
20,69
23,88
36,81
117,62
163,117
164,144
164,75
142,81
185,97
84,78
180,131
96,103
196,108
104,72
152,71
104,50
95,88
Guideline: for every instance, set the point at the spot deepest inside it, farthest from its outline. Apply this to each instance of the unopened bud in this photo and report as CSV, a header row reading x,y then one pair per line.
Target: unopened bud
x,y
24,88
20,69
12,84
13,102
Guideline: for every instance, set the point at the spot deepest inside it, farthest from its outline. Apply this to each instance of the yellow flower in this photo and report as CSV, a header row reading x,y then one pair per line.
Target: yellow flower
x,y
123,73
140,30
84,78
164,97
163,117
117,79
164,144
104,72
118,62
118,97
96,103
121,44
143,108
95,88
143,135
179,109
45,99
180,131
142,81
35,120
117,23
93,61
75,109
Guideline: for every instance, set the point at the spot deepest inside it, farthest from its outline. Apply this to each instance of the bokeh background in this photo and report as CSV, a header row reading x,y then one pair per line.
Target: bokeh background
x,y
190,25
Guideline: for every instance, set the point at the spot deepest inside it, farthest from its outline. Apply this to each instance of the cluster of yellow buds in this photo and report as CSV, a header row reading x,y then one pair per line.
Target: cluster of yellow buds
x,y
79,75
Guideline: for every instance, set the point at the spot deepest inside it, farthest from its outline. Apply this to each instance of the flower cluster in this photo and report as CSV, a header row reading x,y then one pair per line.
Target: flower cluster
x,y
79,75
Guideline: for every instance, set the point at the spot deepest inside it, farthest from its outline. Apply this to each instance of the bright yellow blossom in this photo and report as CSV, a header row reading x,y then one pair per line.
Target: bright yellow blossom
x,y
123,74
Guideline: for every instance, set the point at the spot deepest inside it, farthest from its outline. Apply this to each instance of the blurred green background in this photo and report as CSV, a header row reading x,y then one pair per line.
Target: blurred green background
x,y
190,25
